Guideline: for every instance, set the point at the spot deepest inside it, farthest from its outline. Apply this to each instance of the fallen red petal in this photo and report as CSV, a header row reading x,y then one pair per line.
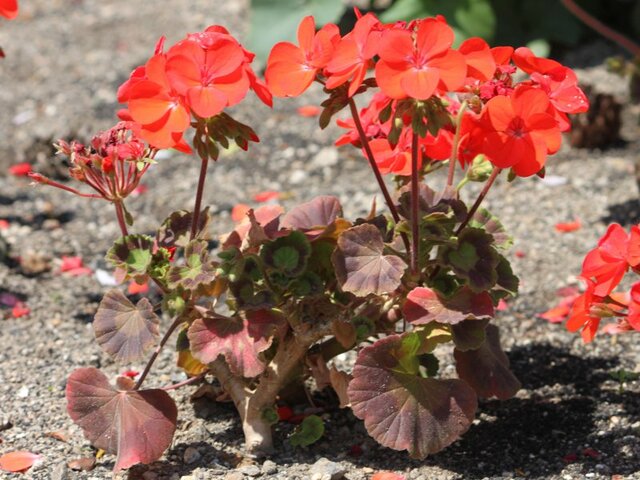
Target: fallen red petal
x,y
591,452
20,461
266,196
569,226
502,305
130,373
239,212
138,288
20,310
4,224
556,314
285,413
520,254
309,111
20,169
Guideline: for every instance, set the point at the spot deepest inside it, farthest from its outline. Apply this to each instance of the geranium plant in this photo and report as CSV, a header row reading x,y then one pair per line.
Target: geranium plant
x,y
287,291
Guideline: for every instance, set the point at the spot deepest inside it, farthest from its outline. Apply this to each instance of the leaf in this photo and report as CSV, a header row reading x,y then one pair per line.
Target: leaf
x,y
257,225
489,223
240,339
136,425
425,305
272,22
345,332
469,335
402,410
175,231
288,255
199,271
239,212
473,258
506,280
361,268
315,217
308,432
340,382
19,461
124,330
131,256
487,368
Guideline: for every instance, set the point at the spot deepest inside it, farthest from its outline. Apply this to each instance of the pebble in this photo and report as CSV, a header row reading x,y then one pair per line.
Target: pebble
x,y
269,467
326,157
60,472
297,176
234,476
251,470
23,392
325,469
191,455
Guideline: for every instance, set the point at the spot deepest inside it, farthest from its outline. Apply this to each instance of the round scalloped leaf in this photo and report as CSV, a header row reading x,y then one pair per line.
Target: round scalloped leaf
x,y
176,229
288,255
308,432
136,425
473,258
402,410
470,334
124,330
131,256
361,268
240,339
487,368
490,224
198,270
314,217
425,305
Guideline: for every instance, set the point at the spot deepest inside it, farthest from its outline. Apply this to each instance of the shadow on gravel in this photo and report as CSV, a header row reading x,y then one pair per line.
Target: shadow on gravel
x,y
206,455
626,213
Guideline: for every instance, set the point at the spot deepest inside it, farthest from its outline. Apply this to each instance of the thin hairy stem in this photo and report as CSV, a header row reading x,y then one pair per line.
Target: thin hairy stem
x,y
176,322
183,383
196,209
494,174
415,203
456,141
121,220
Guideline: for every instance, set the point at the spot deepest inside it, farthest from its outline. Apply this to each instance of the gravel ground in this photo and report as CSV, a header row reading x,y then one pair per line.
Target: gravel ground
x,y
570,420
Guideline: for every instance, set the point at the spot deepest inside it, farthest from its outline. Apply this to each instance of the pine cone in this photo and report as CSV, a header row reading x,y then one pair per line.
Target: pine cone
x,y
600,126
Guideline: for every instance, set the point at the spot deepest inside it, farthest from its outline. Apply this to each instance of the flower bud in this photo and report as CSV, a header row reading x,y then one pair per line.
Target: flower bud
x,y
480,169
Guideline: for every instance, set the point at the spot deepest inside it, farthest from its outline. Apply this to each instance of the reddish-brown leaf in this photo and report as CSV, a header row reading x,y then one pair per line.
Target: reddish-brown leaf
x,y
340,382
361,267
82,464
136,425
486,369
19,461
403,410
425,305
239,339
124,330
313,217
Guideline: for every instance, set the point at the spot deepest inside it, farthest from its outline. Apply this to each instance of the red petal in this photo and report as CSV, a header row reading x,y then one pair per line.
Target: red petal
x,y
206,101
433,37
420,84
569,226
20,461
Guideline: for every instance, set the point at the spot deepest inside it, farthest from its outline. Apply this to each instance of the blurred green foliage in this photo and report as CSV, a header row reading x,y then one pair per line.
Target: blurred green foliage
x,y
538,23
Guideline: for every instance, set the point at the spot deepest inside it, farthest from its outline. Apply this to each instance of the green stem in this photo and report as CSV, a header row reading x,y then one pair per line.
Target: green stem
x,y
456,141
196,209
415,203
374,166
494,174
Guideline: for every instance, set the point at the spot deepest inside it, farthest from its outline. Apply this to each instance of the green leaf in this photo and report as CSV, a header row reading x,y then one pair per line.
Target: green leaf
x,y
308,432
490,224
273,21
176,229
288,255
131,256
198,271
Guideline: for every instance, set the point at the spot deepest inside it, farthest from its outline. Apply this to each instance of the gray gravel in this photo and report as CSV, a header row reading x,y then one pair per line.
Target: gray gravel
x,y
63,65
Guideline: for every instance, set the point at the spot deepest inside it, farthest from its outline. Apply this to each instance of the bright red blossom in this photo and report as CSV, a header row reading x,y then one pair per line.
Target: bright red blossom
x,y
582,316
290,68
418,65
519,131
9,8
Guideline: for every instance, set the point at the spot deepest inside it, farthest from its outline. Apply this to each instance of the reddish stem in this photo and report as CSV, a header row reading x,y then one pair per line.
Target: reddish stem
x,y
494,174
456,141
176,322
188,381
121,220
374,166
602,29
196,209
415,203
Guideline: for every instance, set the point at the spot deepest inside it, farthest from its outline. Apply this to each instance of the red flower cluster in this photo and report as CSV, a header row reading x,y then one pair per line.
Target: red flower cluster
x,y
603,269
515,125
200,75
112,165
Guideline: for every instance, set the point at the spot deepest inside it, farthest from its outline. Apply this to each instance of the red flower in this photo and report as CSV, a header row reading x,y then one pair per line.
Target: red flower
x,y
207,70
519,131
581,314
353,55
633,318
395,159
418,67
291,69
608,262
9,8
481,64
370,119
